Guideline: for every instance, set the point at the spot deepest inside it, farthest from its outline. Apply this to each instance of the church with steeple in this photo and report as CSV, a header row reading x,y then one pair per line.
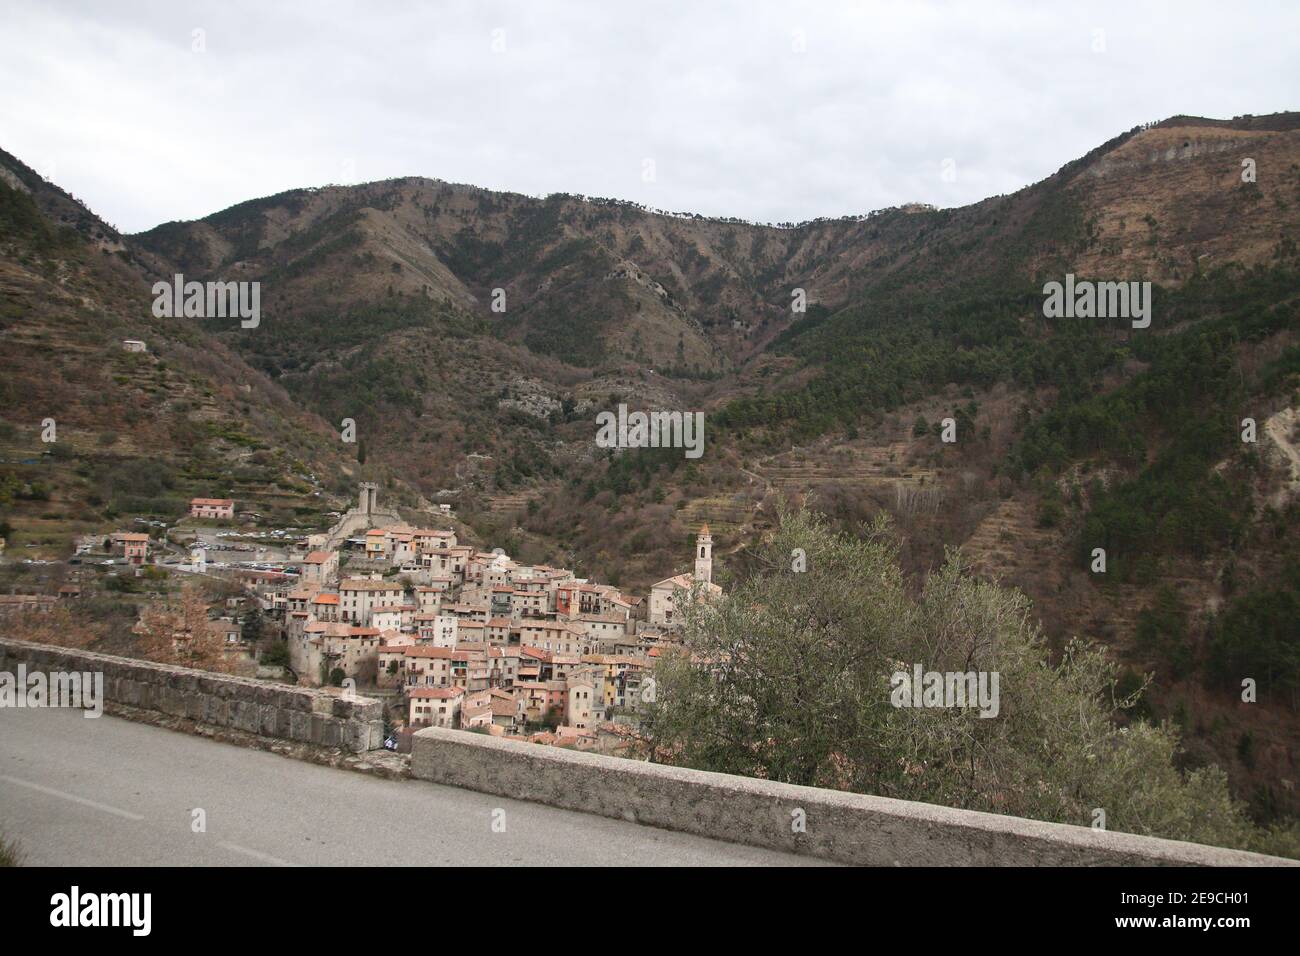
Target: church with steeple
x,y
663,610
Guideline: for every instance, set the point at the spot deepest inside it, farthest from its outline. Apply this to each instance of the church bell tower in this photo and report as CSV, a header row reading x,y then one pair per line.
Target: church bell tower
x,y
704,555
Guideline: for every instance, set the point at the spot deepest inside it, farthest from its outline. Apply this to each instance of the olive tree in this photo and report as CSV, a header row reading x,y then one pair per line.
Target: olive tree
x,y
792,676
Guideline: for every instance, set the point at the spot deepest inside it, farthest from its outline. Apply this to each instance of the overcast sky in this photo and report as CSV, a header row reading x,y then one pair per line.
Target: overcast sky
x,y
773,111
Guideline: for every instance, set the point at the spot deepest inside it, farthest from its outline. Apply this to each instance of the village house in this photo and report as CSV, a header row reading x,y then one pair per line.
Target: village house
x,y
133,545
471,632
320,568
220,508
528,603
376,544
391,665
559,637
298,599
467,612
429,599
602,627
499,630
428,666
494,708
435,706
470,669
325,606
438,630
427,540
358,597
318,648
580,693
401,549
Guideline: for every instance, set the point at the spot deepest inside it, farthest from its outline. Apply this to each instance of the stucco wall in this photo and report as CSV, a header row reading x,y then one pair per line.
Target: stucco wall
x,y
851,828
258,707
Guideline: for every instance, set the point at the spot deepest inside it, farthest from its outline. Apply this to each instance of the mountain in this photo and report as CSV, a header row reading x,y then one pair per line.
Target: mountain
x,y
93,435
1072,435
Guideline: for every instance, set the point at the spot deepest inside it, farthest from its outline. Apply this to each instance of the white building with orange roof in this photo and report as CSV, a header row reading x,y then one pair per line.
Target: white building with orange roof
x,y
220,508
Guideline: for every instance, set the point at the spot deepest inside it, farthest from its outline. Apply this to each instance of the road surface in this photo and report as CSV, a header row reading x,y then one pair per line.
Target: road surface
x,y
109,792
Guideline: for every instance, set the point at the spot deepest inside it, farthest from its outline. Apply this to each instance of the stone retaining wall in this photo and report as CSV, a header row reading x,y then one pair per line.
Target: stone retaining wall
x,y
263,708
848,827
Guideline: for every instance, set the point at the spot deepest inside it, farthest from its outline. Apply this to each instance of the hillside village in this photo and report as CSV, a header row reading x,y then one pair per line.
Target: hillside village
x,y
1069,437
472,639
447,634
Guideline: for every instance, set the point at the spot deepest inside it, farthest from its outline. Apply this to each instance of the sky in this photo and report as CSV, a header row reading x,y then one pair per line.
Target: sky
x,y
767,111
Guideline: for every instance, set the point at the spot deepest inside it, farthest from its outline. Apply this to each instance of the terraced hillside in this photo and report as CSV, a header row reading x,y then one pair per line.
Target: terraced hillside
x,y
92,435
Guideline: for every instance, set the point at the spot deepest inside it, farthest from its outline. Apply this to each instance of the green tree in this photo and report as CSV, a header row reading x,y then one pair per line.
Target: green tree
x,y
254,626
275,653
788,677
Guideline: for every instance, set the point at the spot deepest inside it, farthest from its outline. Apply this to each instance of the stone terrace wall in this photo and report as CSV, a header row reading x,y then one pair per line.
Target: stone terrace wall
x,y
848,827
258,707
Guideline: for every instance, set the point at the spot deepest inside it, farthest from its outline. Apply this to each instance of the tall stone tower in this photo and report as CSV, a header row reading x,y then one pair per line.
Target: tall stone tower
x,y
704,555
369,497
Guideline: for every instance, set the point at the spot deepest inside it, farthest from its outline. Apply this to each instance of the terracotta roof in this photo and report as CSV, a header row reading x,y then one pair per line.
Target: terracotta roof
x,y
434,693
444,653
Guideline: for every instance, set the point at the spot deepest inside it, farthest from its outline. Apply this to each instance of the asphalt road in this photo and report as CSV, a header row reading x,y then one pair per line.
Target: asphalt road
x,y
109,792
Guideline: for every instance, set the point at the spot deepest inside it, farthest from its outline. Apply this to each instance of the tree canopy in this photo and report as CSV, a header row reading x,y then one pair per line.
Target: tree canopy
x,y
788,677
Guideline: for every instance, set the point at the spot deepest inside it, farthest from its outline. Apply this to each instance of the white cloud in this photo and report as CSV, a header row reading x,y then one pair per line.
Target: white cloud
x,y
117,108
